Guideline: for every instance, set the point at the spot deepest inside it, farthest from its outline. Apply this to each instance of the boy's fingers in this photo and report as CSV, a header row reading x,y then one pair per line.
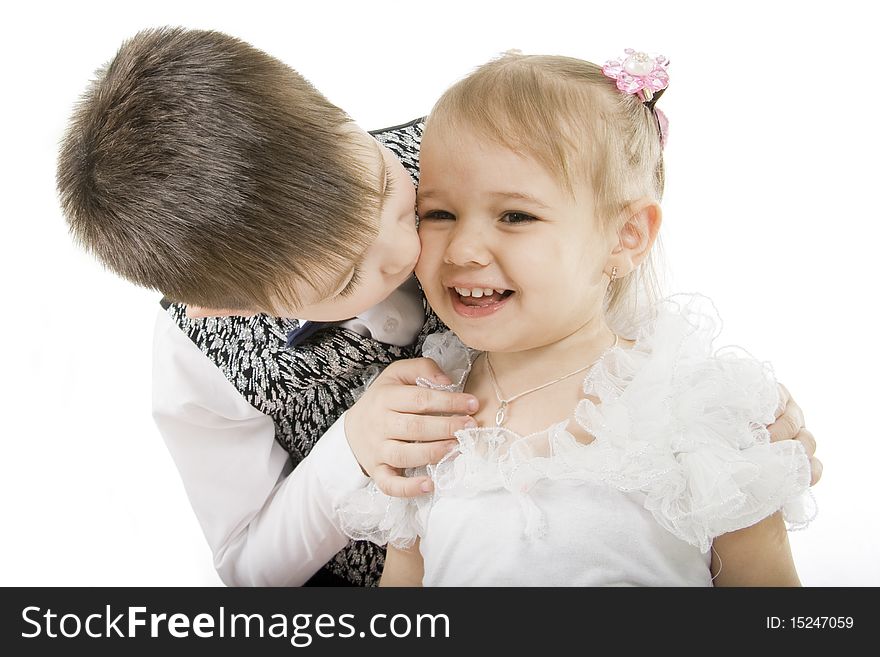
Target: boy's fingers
x,y
784,398
398,454
424,401
788,406
808,441
789,422
391,483
417,428
815,470
407,371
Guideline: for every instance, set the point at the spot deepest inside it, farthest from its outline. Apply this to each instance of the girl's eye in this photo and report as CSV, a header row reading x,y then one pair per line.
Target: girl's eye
x,y
437,215
517,218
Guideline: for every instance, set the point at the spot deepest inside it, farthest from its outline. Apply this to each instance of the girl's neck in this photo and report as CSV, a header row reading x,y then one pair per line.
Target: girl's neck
x,y
520,369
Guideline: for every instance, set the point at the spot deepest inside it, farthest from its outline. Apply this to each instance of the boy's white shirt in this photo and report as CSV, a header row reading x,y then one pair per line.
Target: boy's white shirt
x,y
267,524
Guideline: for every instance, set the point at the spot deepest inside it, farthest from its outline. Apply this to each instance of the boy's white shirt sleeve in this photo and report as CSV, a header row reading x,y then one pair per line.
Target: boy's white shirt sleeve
x,y
266,525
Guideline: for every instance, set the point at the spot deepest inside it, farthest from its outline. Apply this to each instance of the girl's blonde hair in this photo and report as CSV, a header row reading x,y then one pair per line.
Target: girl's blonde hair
x,y
570,117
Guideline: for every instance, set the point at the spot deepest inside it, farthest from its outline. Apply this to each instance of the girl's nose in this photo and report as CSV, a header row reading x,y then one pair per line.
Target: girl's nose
x,y
467,246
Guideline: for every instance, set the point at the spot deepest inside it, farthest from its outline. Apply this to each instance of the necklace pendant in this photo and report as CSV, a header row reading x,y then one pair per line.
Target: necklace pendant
x,y
500,415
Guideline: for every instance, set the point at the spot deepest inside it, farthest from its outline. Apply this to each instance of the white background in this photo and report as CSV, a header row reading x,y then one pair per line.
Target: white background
x,y
770,209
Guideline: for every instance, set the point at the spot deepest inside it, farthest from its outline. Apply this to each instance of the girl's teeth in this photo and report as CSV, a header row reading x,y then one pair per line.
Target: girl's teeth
x,y
477,292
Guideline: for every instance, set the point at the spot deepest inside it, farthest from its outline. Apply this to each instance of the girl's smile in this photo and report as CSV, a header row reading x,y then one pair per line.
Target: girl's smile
x,y
478,301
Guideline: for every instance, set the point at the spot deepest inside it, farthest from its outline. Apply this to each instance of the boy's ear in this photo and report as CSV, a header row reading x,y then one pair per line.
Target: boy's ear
x,y
637,235
197,312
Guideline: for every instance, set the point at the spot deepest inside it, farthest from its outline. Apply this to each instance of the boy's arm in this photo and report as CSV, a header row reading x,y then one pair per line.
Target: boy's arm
x,y
268,525
265,527
403,567
759,555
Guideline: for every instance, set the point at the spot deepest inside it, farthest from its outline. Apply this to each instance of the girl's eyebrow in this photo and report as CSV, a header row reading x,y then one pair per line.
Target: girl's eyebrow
x,y
519,196
516,196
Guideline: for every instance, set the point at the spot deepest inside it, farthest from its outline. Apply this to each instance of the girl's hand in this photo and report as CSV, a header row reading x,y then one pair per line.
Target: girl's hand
x,y
789,425
397,425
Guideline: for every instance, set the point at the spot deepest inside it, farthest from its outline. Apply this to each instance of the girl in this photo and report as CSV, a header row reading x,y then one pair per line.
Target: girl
x,y
613,448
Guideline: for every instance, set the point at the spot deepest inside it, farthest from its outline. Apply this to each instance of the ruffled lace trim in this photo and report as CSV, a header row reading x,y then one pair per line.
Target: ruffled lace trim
x,y
671,418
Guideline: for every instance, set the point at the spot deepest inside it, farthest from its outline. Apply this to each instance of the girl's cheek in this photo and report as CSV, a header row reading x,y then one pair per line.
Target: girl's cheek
x,y
431,249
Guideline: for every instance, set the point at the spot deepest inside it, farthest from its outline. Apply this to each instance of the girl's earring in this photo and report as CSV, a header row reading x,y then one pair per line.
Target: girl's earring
x,y
613,275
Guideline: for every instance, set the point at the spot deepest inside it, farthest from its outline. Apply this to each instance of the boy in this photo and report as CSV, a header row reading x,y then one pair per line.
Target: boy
x,y
203,168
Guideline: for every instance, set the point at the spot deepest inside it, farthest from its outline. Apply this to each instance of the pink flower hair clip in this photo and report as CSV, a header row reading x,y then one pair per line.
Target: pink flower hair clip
x,y
639,73
645,76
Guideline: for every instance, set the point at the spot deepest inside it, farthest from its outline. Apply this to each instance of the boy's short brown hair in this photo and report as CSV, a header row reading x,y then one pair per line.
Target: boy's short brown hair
x,y
210,171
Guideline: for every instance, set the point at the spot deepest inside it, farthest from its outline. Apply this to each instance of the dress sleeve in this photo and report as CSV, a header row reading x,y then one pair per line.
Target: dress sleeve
x,y
688,424
369,514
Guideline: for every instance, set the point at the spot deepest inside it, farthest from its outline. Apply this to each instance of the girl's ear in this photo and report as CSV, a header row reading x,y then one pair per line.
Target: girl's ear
x,y
636,236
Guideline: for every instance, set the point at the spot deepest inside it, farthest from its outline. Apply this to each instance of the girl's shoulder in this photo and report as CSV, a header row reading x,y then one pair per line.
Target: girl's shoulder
x,y
675,350
690,421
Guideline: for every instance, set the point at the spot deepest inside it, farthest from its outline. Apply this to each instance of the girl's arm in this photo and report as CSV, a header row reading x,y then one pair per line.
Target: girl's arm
x,y
403,567
755,556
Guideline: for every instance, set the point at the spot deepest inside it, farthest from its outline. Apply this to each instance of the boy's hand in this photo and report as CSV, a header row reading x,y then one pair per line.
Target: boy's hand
x,y
398,425
789,424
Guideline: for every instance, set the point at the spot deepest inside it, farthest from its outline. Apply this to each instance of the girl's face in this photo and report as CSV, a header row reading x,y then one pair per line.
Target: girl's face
x,y
510,260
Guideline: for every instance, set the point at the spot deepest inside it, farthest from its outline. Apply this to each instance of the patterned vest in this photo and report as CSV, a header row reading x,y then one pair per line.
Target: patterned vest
x,y
305,389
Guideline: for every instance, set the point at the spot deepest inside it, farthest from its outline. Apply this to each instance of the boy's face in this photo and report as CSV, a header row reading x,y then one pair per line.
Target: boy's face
x,y
382,268
388,261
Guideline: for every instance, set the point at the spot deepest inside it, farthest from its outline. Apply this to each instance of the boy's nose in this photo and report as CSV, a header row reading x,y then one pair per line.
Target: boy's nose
x,y
402,256
396,265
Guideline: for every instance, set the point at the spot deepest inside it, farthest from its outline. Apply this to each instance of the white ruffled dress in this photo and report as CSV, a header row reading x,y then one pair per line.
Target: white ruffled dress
x,y
681,455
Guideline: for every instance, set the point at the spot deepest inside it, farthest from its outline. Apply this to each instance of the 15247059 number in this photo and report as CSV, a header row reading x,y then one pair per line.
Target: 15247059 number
x,y
810,622
821,622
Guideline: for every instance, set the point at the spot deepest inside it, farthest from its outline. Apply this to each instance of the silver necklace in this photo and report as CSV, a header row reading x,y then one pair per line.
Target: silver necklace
x,y
501,415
